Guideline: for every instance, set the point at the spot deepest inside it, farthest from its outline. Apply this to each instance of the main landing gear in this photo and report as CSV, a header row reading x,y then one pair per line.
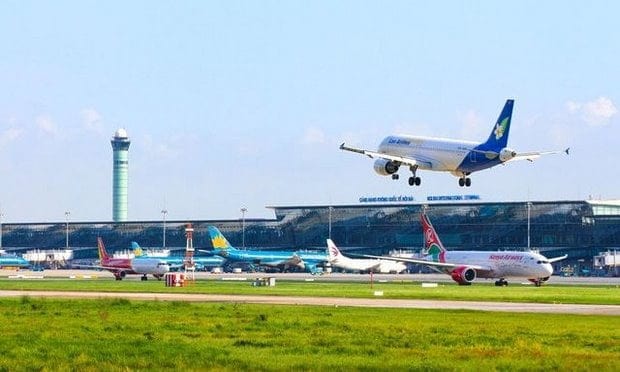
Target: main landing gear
x,y
465,181
413,180
501,283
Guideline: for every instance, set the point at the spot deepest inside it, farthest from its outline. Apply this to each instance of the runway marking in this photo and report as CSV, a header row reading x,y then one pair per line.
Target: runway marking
x,y
515,307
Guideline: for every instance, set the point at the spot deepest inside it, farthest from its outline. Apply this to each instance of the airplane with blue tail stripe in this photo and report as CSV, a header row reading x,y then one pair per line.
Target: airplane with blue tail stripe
x,y
306,260
459,157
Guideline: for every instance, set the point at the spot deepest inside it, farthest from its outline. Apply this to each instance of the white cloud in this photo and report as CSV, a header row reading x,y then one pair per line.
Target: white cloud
x,y
313,136
9,135
595,113
92,120
46,125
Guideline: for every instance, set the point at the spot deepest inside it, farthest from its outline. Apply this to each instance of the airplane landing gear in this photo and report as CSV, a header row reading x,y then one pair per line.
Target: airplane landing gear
x,y
501,283
144,278
413,180
465,181
537,282
395,176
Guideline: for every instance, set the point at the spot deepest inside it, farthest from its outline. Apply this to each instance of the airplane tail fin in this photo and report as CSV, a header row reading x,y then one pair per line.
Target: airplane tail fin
x,y
103,254
137,250
498,139
432,244
218,240
333,253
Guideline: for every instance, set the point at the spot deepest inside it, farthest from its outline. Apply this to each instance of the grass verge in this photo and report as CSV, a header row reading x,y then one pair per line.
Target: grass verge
x,y
46,334
569,294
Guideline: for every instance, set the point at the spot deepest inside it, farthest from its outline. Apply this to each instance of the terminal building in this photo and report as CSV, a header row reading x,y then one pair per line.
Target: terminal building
x,y
581,229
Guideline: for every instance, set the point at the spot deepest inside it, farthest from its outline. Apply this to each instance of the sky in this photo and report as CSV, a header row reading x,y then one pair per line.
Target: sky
x,y
243,104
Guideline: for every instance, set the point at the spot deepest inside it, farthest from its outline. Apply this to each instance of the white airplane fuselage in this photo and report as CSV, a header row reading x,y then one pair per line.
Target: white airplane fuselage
x,y
439,154
505,264
337,259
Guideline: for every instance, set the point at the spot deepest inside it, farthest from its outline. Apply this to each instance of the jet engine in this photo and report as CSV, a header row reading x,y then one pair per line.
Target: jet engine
x,y
507,154
385,167
119,275
463,275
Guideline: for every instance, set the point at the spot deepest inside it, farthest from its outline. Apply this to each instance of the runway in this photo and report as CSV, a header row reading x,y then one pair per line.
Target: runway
x,y
315,301
329,301
332,277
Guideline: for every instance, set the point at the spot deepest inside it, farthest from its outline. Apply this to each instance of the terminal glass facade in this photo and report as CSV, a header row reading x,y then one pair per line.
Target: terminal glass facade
x,y
580,229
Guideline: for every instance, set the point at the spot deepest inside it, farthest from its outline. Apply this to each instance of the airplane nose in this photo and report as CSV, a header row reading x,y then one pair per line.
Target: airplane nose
x,y
548,269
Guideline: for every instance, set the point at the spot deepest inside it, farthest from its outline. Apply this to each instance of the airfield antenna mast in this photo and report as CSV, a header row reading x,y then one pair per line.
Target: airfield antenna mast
x,y
190,265
1,215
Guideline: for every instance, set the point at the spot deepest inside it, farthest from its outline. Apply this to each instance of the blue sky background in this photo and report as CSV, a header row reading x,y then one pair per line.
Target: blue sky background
x,y
243,103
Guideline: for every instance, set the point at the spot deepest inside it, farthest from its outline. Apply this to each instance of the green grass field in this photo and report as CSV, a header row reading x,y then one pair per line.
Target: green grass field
x,y
573,294
114,335
40,334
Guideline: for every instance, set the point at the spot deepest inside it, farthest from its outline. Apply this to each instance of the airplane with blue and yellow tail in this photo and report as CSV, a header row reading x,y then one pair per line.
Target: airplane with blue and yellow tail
x,y
306,260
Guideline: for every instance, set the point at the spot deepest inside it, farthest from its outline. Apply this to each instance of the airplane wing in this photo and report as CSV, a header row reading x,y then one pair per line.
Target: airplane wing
x,y
294,260
531,156
398,159
556,259
111,268
444,265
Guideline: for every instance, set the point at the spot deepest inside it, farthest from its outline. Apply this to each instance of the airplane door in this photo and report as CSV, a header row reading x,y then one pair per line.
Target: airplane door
x,y
472,157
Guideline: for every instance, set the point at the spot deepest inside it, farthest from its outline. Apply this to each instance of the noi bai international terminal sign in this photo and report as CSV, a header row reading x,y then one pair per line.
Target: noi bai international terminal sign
x,y
410,198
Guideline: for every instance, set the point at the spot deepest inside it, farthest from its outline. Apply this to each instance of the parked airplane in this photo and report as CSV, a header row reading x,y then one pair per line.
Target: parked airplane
x,y
177,262
337,259
459,157
465,266
308,261
12,260
120,267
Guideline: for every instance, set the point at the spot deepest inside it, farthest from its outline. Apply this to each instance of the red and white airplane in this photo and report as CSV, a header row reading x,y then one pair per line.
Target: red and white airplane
x,y
120,267
465,266
337,259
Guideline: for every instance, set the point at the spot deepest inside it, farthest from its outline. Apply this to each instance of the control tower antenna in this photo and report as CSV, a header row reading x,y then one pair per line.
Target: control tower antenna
x,y
188,262
120,150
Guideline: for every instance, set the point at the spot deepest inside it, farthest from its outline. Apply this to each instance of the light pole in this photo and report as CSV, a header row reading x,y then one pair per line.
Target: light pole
x,y
529,207
1,215
164,212
67,213
243,210
329,234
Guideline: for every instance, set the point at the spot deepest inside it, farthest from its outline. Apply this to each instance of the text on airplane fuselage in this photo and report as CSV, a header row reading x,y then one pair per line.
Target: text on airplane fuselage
x,y
506,257
399,141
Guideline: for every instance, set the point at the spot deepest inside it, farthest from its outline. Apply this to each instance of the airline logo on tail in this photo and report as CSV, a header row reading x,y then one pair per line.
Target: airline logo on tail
x,y
500,128
217,239
137,250
432,245
103,255
333,251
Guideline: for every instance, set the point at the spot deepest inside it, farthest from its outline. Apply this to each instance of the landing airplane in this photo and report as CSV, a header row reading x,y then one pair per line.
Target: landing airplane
x,y
178,262
459,157
307,261
120,267
465,266
337,259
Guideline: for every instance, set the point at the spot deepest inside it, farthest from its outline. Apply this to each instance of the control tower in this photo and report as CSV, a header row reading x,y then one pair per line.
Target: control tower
x,y
120,149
